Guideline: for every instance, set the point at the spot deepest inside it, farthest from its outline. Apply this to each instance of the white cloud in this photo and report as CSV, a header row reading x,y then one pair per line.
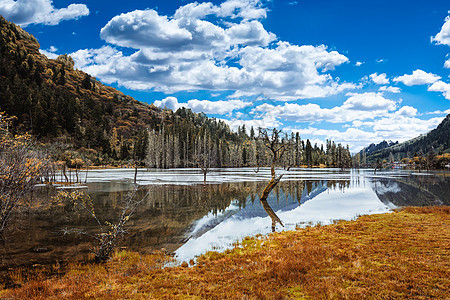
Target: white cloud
x,y
49,54
146,29
396,127
443,37
265,122
25,12
359,63
447,64
168,102
390,89
407,111
357,107
246,9
379,79
205,106
231,52
417,77
439,112
399,127
354,137
440,86
250,33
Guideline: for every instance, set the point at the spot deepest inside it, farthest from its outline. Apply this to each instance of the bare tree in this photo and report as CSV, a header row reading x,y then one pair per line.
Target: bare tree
x,y
110,233
21,168
277,146
204,156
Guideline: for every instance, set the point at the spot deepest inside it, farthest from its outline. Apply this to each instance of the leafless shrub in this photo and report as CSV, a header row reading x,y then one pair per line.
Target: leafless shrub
x,y
110,232
21,168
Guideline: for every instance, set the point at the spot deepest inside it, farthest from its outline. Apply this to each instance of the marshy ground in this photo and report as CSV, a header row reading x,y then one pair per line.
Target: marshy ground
x,y
404,254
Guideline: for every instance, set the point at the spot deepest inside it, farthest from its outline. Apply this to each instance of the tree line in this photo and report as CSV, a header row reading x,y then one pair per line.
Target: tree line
x,y
186,144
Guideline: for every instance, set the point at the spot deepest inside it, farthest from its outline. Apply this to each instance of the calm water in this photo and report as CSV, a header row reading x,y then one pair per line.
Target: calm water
x,y
187,218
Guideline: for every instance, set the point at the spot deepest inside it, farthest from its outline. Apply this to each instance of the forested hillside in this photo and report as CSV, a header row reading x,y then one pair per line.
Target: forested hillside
x,y
82,122
436,142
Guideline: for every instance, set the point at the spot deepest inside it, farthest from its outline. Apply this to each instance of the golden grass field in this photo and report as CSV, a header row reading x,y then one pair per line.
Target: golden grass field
x,y
400,255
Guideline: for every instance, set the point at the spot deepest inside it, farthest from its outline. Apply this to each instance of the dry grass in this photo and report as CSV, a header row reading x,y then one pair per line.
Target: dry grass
x,y
391,256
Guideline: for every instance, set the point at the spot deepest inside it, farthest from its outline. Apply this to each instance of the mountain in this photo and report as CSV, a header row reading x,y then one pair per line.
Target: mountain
x,y
436,141
377,147
65,106
80,122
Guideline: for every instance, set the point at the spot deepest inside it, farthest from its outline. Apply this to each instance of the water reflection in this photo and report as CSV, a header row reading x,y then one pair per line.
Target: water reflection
x,y
192,219
296,203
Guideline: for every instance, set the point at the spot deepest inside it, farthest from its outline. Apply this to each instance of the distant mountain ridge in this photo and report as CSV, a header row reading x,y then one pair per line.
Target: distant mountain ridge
x,y
377,147
437,141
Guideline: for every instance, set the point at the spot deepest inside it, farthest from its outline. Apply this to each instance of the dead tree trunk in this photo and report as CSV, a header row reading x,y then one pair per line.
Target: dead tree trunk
x,y
277,147
64,172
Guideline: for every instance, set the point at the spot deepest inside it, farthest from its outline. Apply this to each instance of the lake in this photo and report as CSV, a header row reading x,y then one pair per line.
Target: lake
x,y
187,218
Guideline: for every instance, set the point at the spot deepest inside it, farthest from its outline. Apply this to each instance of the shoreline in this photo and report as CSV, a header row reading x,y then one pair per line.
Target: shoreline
x,y
395,255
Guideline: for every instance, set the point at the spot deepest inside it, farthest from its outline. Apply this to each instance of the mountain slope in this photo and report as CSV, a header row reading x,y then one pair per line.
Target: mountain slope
x,y
60,104
437,140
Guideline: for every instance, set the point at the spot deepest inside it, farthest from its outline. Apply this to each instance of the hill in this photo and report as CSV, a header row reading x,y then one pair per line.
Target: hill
x,y
64,106
81,121
377,147
437,141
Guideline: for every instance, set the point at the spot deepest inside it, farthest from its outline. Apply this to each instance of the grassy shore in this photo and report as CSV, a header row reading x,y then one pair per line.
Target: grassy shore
x,y
405,254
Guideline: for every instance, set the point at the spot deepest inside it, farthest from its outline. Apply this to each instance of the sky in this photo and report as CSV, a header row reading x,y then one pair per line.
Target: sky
x,y
357,72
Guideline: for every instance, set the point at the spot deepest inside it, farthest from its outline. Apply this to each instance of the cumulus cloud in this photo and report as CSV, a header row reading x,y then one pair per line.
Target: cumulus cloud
x,y
232,51
447,64
48,53
417,77
25,12
396,126
407,111
401,127
443,37
265,122
354,137
390,89
439,112
359,63
209,107
440,86
379,79
357,107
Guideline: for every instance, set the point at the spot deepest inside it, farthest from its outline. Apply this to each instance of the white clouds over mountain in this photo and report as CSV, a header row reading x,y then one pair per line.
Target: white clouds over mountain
x,y
396,127
206,106
24,12
357,107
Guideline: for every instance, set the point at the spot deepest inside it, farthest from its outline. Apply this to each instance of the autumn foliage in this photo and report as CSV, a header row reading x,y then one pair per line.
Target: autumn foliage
x,y
21,168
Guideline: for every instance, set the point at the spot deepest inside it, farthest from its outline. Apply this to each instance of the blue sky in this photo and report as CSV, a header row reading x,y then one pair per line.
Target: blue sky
x,y
356,72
